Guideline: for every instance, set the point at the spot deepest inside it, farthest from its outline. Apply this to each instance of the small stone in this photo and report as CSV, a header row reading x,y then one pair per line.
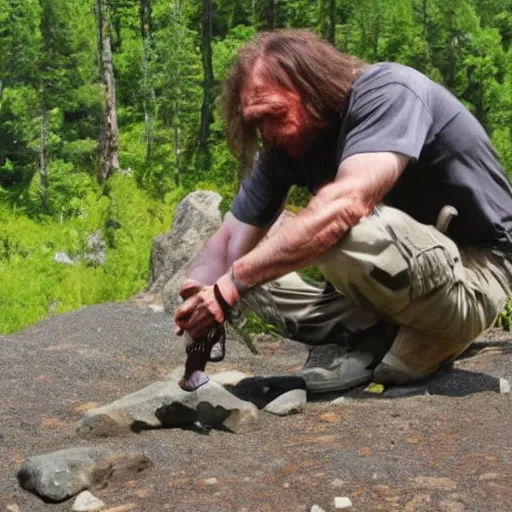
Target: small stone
x,y
339,400
286,485
504,386
337,482
316,508
156,308
62,257
87,502
403,391
291,402
12,508
342,502
210,481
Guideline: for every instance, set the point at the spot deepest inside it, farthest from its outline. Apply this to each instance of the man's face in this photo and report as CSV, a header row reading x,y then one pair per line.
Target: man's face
x,y
279,113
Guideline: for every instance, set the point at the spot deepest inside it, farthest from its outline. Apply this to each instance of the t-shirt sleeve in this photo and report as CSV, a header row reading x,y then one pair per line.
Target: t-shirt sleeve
x,y
388,118
261,197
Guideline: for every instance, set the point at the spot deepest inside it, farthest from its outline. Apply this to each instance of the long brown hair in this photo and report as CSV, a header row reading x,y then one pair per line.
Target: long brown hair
x,y
295,59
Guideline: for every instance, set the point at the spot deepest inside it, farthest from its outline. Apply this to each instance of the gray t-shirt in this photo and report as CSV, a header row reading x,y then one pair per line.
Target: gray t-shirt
x,y
396,108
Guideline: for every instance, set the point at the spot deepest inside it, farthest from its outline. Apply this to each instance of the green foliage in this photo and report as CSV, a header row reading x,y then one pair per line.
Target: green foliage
x,y
35,286
505,319
49,71
66,190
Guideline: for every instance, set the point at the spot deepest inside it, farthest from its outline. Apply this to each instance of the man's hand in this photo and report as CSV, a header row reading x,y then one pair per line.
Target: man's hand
x,y
201,310
190,287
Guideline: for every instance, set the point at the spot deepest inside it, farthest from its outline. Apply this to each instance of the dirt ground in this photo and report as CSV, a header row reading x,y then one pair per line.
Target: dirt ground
x,y
448,451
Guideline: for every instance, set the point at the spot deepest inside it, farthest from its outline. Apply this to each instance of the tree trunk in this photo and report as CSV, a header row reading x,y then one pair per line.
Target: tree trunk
x,y
331,35
206,109
43,169
177,100
425,19
109,159
376,31
146,31
270,15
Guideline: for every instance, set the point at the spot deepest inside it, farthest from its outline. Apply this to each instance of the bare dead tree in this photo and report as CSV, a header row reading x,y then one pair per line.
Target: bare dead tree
x,y
146,32
109,159
206,109
43,164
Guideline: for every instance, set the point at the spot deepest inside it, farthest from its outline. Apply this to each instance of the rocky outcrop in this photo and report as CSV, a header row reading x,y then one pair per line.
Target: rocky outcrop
x,y
196,218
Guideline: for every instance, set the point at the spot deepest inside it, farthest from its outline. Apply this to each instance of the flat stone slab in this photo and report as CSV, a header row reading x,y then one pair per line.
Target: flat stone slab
x,y
230,378
165,404
60,475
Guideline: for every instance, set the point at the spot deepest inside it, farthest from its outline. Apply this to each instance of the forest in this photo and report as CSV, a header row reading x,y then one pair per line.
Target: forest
x,y
109,117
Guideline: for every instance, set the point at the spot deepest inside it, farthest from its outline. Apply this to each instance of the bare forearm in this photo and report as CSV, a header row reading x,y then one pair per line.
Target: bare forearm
x,y
300,241
363,182
209,264
230,242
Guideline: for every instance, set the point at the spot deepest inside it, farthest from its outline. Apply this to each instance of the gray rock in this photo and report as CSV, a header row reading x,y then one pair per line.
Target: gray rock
x,y
504,386
86,502
62,257
165,404
403,391
316,508
289,403
176,373
60,475
97,253
196,218
230,378
342,502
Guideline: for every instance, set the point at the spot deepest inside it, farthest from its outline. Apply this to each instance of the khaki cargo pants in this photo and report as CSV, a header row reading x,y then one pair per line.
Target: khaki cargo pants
x,y
392,267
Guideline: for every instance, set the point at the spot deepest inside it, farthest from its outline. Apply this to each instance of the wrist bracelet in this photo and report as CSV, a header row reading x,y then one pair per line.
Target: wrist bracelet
x,y
241,288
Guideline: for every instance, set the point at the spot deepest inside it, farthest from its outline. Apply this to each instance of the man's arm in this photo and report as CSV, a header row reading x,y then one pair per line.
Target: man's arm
x,y
361,183
231,241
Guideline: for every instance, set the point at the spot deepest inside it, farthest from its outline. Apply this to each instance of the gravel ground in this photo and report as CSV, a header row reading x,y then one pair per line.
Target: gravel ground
x,y
447,451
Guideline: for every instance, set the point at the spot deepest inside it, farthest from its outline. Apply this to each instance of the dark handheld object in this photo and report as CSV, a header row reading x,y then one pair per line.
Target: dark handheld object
x,y
198,354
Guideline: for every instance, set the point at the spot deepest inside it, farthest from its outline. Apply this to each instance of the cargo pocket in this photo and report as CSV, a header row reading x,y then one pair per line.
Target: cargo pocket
x,y
430,269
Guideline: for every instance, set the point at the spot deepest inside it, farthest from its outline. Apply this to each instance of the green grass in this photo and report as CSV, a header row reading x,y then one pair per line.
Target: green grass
x,y
34,286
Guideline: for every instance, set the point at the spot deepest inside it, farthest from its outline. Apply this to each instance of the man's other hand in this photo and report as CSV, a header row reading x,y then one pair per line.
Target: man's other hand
x,y
199,313
201,310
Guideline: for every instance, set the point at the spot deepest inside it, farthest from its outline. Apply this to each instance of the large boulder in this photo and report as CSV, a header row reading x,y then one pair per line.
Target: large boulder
x,y
196,218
